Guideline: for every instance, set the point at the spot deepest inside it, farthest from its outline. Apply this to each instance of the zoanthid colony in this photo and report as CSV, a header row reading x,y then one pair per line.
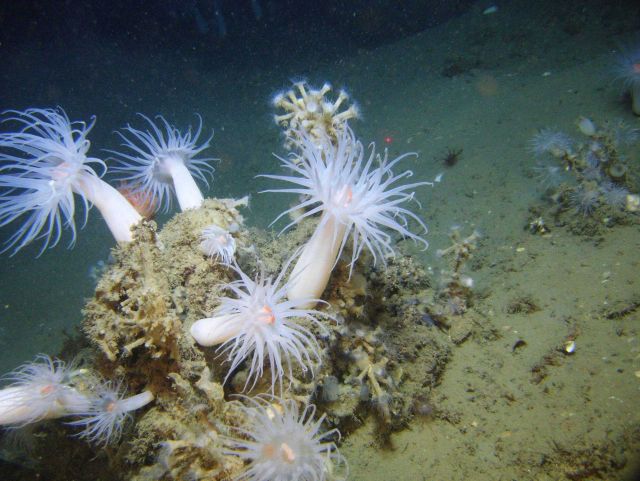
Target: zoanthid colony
x,y
304,109
589,182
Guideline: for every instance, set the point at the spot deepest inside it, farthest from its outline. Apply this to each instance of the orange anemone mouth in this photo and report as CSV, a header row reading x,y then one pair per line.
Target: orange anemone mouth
x,y
266,315
48,389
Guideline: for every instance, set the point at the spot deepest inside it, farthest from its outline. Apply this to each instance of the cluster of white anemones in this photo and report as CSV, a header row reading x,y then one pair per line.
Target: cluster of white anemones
x,y
50,389
264,320
44,165
356,196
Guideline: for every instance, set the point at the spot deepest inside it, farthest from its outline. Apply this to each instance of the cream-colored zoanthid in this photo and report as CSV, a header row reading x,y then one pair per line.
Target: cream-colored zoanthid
x,y
311,111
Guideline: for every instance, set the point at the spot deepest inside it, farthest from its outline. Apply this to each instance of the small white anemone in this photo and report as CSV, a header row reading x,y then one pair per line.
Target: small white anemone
x,y
162,162
628,65
549,174
218,243
259,323
585,199
107,412
549,141
628,71
42,166
280,443
39,390
356,195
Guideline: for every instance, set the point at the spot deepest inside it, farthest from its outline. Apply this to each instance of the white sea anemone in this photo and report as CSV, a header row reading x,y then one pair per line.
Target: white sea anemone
x,y
628,71
162,162
259,323
553,142
280,443
39,390
355,196
42,166
614,195
548,174
218,243
585,199
107,412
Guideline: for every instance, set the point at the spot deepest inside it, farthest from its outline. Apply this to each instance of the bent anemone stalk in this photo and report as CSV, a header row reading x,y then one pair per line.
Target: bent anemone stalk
x,y
108,409
42,166
163,162
258,322
354,197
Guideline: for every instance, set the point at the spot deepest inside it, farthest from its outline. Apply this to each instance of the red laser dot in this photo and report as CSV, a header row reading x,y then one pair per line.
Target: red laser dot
x,y
388,139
